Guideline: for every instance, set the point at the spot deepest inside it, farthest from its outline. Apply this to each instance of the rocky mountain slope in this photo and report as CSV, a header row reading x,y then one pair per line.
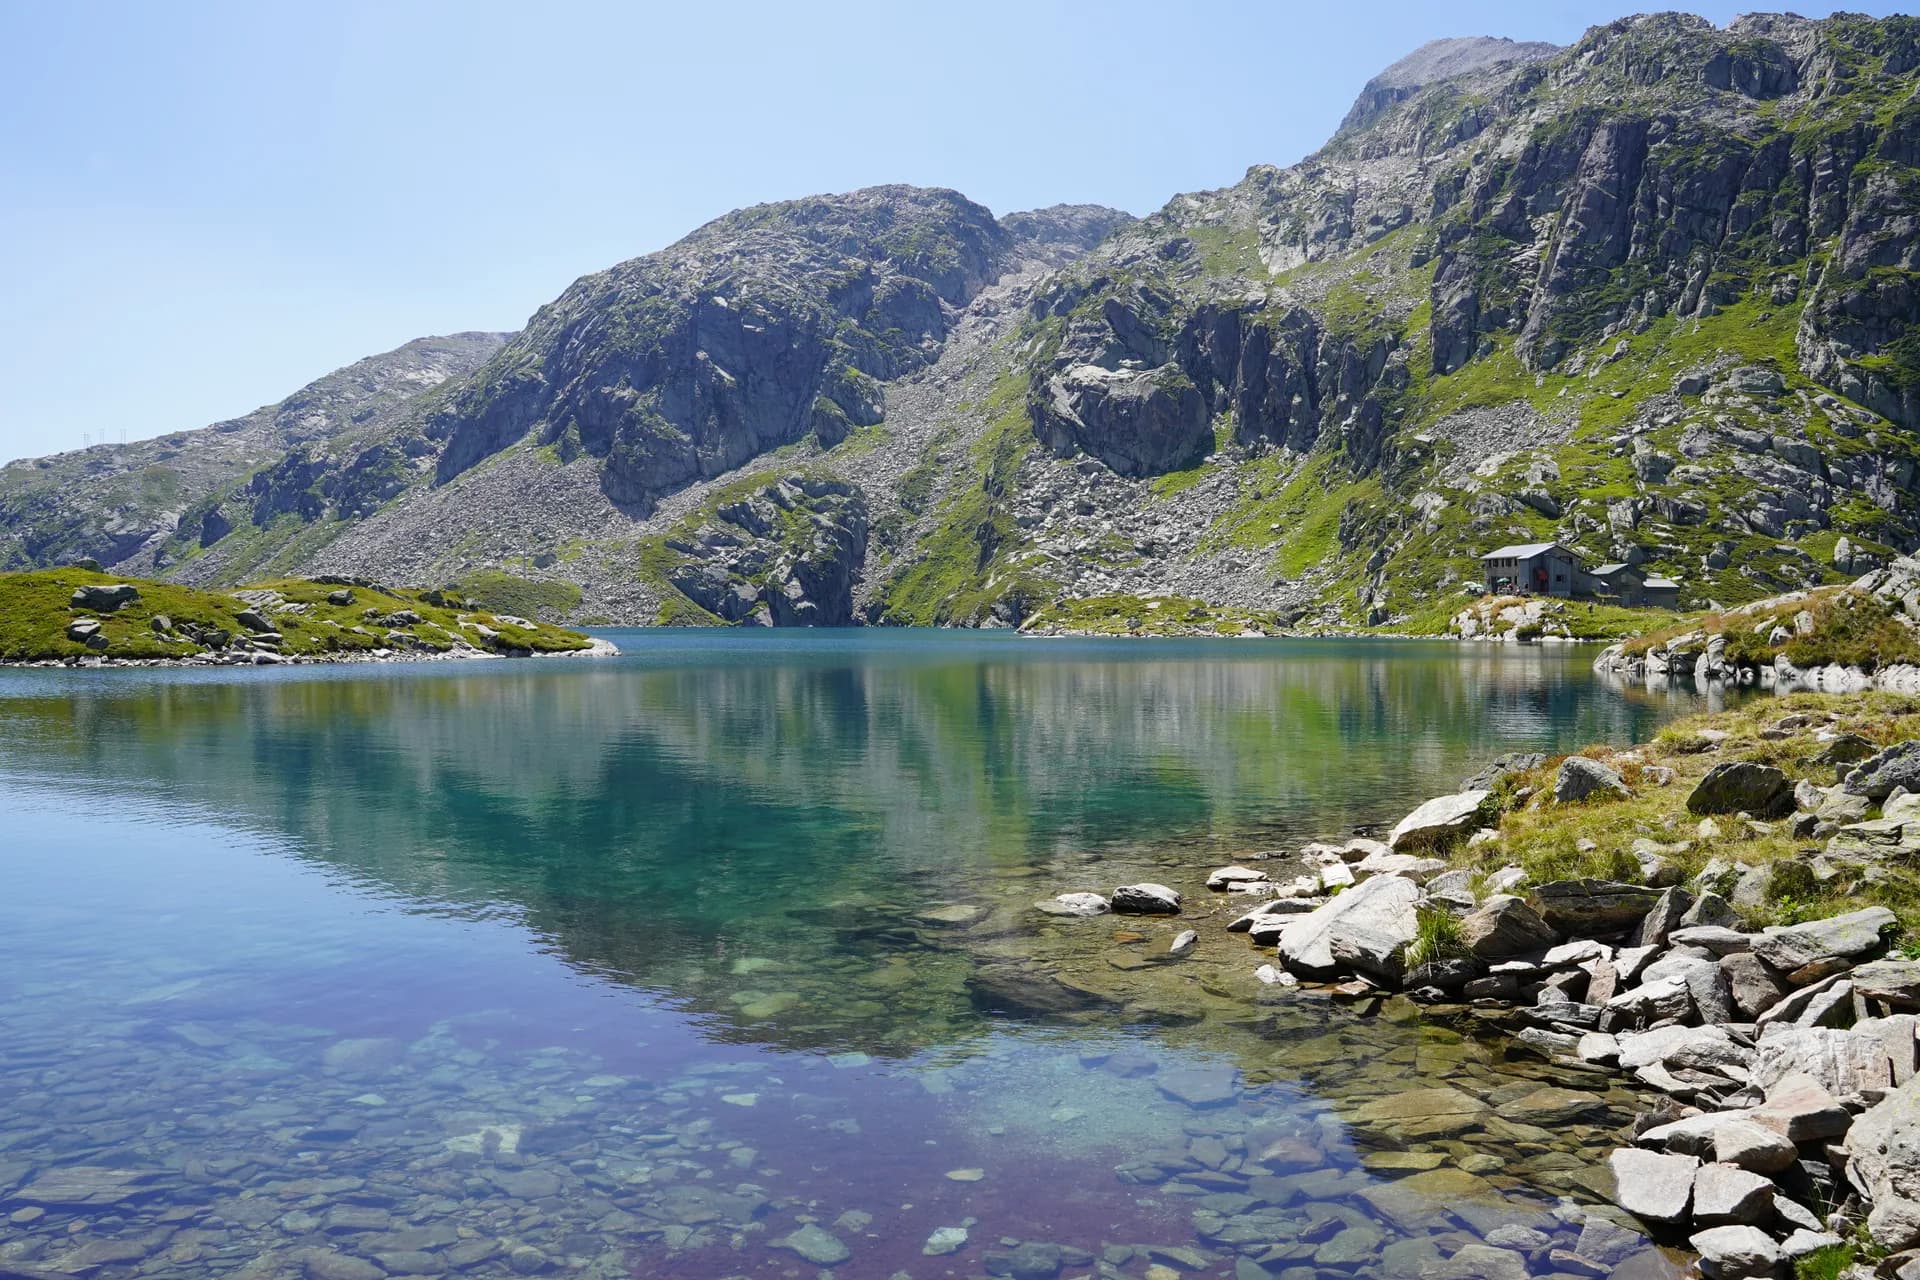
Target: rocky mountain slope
x,y
1649,295
122,504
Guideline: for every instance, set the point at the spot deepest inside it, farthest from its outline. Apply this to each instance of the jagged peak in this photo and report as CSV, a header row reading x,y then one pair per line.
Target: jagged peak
x,y
1439,60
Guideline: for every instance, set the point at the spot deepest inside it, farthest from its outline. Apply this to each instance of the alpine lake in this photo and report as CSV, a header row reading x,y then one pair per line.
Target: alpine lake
x,y
722,959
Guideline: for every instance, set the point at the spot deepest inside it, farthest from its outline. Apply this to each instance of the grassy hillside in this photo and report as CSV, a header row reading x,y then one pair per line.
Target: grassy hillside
x,y
38,612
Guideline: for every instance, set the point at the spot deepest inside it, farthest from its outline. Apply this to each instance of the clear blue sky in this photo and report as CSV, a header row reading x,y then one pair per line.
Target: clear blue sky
x,y
205,205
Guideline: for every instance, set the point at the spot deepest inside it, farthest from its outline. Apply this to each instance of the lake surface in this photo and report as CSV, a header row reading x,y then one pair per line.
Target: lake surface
x,y
721,959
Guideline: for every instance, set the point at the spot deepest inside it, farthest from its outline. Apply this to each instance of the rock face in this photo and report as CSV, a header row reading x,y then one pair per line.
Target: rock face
x,y
180,488
758,329
785,556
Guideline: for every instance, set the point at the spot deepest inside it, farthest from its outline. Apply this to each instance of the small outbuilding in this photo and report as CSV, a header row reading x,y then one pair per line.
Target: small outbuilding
x,y
1661,593
1532,569
1617,584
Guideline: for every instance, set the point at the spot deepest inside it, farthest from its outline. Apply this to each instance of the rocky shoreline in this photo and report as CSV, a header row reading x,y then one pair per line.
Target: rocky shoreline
x,y
600,648
1788,1055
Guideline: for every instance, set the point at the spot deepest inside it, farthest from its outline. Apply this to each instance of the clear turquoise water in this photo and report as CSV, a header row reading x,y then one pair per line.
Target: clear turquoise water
x,y
625,967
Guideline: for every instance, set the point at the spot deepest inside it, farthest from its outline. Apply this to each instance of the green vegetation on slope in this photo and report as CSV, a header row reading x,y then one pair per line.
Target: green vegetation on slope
x,y
1553,841
36,611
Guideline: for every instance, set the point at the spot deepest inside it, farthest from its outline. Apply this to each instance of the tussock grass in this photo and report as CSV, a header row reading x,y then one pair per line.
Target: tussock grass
x,y
1553,841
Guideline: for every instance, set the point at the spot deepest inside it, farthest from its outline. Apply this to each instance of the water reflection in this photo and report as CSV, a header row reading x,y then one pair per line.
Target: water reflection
x,y
657,963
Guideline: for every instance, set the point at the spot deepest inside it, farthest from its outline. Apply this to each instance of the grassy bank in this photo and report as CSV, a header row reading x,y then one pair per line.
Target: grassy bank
x,y
311,619
1796,879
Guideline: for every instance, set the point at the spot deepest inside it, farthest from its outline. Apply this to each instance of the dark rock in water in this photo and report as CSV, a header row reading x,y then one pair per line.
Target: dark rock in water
x,y
1022,992
1446,975
1584,908
1146,899
104,599
1581,779
1877,776
1741,786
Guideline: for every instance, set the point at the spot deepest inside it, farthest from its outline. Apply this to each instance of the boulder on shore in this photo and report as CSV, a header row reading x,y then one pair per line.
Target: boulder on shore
x,y
1848,937
1580,779
1439,822
1878,775
104,599
1651,1186
1741,786
1584,908
1371,924
1505,926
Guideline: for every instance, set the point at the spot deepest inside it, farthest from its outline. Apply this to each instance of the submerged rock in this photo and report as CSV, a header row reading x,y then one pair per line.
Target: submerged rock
x,y
1075,904
817,1245
1146,899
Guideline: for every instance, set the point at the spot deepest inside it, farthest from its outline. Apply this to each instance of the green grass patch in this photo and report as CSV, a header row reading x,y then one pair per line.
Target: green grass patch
x,y
36,609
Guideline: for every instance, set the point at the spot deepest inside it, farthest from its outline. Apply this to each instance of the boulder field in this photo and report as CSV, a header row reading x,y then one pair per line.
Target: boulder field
x,y
1788,1054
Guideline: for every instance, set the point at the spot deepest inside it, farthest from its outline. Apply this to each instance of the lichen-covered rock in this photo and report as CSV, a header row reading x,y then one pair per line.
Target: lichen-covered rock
x,y
1876,777
1440,822
1582,779
1590,908
1652,1187
1884,1145
1505,926
1741,786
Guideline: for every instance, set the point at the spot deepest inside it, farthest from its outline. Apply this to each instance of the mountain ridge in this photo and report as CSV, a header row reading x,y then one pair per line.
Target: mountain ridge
x,y
1647,294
